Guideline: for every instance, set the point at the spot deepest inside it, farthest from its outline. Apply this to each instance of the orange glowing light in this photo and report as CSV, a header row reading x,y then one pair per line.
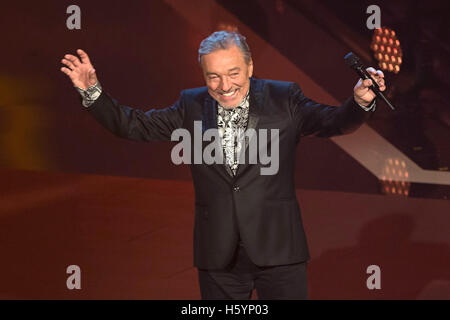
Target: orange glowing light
x,y
384,41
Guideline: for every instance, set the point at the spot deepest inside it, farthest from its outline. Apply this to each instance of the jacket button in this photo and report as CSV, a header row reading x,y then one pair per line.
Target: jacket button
x,y
236,189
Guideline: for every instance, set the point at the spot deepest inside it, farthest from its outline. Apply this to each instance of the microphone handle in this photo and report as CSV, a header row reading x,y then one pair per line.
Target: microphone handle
x,y
374,87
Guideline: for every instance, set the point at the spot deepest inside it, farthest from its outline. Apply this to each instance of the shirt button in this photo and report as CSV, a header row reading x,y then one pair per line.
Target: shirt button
x,y
236,189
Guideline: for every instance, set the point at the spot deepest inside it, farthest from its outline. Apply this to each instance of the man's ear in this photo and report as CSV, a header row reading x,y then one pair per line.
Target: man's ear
x,y
202,69
250,68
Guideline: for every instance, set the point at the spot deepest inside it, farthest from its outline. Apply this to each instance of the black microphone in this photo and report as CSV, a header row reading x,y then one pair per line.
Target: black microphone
x,y
353,62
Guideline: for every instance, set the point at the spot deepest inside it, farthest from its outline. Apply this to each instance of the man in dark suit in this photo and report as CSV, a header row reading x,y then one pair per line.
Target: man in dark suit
x,y
248,231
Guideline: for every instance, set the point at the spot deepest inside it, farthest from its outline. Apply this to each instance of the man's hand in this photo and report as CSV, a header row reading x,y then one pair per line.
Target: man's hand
x,y
363,95
82,73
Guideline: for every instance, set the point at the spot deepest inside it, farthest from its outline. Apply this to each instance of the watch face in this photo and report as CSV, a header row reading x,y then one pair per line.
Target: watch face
x,y
93,92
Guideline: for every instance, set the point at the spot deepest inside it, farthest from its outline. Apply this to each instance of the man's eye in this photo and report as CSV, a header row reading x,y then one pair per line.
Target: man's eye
x,y
234,74
212,77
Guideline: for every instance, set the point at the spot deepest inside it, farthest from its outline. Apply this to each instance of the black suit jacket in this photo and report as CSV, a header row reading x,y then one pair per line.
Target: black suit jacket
x,y
260,209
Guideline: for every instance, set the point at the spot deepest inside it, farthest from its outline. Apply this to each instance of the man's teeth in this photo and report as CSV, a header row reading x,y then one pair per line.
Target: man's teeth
x,y
229,94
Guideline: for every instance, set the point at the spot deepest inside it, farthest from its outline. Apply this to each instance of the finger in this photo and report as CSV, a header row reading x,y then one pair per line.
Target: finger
x,y
371,70
382,85
380,73
66,70
73,59
367,83
92,74
375,77
68,63
83,55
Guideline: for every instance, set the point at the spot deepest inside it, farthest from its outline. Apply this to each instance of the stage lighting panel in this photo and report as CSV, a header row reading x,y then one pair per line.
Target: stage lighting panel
x,y
386,49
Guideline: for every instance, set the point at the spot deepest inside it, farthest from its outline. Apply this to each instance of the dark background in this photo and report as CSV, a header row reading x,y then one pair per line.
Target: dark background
x,y
71,191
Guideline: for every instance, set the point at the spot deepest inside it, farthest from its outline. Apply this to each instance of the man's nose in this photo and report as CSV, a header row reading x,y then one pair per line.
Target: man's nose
x,y
225,84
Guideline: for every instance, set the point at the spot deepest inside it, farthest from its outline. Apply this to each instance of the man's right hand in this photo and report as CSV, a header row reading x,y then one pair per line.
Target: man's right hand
x,y
82,73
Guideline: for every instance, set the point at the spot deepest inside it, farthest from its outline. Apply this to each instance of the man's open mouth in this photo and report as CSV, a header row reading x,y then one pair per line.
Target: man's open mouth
x,y
230,94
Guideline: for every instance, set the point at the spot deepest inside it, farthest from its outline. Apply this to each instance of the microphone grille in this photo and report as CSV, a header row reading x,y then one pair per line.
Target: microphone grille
x,y
352,60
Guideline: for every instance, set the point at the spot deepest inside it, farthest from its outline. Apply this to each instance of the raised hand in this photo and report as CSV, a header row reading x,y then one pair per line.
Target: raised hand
x,y
82,73
363,95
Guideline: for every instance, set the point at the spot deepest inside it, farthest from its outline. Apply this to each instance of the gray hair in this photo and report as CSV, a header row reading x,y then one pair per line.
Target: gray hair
x,y
224,40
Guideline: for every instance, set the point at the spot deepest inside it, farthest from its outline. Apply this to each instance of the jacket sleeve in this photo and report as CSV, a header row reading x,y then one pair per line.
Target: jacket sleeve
x,y
312,118
135,124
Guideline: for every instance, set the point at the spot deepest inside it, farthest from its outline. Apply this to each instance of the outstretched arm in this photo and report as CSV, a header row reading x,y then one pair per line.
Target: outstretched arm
x,y
123,121
312,118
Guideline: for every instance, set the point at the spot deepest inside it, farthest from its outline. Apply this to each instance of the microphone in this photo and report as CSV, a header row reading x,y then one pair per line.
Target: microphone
x,y
353,62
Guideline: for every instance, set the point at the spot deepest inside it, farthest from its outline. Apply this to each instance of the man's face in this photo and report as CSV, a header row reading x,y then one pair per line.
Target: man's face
x,y
227,75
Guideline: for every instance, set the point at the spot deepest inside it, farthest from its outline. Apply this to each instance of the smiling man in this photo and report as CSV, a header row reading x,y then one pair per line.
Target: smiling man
x,y
248,231
227,72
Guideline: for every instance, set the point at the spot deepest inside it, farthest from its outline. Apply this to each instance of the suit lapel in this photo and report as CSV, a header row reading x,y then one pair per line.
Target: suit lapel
x,y
255,103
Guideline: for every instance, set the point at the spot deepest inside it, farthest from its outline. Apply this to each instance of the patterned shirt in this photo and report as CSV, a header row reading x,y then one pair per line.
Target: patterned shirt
x,y
232,124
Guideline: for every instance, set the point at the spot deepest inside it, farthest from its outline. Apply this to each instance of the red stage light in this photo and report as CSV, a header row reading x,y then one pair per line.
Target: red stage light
x,y
392,182
386,48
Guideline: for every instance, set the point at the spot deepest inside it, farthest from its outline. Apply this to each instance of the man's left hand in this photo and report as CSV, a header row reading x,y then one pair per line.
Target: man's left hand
x,y
363,95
